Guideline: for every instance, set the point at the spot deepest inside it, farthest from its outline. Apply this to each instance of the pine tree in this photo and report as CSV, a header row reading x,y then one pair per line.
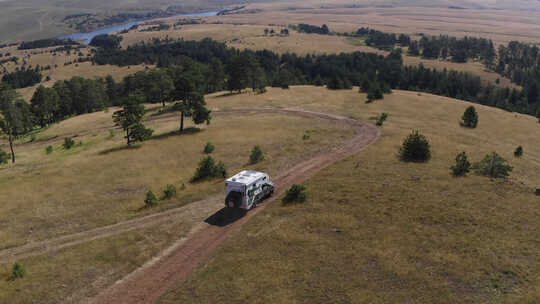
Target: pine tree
x,y
130,119
470,118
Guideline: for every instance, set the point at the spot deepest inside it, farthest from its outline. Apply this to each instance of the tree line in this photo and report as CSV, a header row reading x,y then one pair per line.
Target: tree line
x,y
23,77
44,43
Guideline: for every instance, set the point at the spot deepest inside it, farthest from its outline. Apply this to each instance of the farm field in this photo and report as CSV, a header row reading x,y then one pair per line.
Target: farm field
x,y
404,223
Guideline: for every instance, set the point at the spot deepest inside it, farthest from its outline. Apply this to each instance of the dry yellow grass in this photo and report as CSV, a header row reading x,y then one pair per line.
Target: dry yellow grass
x,y
376,230
95,184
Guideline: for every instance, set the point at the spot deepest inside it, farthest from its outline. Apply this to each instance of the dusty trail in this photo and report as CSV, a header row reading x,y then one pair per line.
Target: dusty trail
x,y
153,280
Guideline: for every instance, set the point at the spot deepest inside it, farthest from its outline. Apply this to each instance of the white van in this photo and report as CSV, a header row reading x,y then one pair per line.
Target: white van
x,y
248,188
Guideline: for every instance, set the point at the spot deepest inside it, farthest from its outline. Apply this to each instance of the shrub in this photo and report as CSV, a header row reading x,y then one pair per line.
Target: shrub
x,y
381,119
306,136
493,165
208,168
49,150
470,118
18,271
537,191
169,192
257,155
151,199
415,148
518,152
462,166
209,148
296,194
68,143
4,157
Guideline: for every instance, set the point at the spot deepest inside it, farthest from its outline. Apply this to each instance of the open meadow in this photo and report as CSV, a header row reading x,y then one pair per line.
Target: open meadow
x,y
373,228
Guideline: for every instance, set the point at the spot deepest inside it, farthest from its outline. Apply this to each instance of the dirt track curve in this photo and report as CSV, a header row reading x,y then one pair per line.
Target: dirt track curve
x,y
153,280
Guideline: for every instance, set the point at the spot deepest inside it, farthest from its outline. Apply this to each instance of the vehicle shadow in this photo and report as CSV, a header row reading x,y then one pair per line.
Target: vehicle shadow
x,y
225,216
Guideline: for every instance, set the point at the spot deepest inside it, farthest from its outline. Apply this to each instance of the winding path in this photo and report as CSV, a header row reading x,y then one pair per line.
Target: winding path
x,y
174,264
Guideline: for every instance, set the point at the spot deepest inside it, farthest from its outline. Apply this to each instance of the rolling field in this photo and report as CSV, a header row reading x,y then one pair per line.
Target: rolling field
x,y
375,230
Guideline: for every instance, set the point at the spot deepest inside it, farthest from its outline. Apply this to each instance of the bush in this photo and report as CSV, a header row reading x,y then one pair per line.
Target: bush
x,y
537,191
493,165
4,157
18,271
151,199
462,166
49,150
306,136
415,148
68,143
296,194
209,148
381,119
169,192
256,156
470,118
518,152
208,168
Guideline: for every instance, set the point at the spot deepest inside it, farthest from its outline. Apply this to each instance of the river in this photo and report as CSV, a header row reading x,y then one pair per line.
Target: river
x,y
87,37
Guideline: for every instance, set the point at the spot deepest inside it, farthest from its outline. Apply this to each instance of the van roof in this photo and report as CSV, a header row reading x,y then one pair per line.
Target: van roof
x,y
246,177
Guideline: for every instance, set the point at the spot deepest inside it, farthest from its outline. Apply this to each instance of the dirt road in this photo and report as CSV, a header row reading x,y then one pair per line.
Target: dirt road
x,y
153,280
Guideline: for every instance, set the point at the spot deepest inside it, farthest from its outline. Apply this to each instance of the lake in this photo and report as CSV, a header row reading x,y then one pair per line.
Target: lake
x,y
87,37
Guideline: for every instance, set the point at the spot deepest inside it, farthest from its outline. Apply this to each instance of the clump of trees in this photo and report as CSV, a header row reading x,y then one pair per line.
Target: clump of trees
x,y
23,77
130,119
257,155
44,43
15,118
415,148
462,166
209,168
106,41
295,194
470,118
493,165
312,29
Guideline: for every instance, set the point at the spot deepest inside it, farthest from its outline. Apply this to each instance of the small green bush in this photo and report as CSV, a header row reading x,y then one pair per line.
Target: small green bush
x,y
209,168
415,148
49,150
18,271
518,152
4,157
169,192
381,119
68,143
462,166
537,191
256,156
306,136
209,148
470,118
296,194
493,165
151,199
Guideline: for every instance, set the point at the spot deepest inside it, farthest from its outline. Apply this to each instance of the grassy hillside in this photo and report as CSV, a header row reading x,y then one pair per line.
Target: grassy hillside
x,y
376,230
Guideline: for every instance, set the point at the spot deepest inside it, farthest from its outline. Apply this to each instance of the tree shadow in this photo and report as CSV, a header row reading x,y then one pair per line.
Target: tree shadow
x,y
120,148
187,131
227,94
225,216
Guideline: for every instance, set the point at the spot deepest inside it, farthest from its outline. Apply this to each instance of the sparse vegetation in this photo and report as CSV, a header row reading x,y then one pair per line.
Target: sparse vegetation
x,y
18,271
381,119
470,118
295,194
151,199
493,165
518,152
169,192
415,148
68,143
49,149
209,148
257,155
462,166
